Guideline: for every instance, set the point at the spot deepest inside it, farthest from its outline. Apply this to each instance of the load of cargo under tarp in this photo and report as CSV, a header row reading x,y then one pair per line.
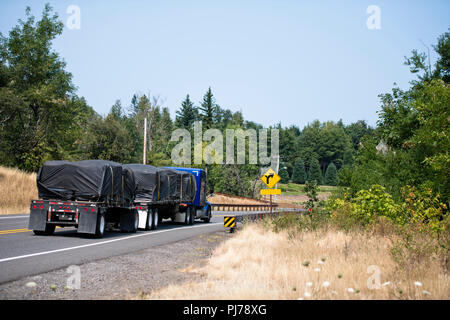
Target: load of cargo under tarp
x,y
152,184
176,185
87,180
141,181
113,183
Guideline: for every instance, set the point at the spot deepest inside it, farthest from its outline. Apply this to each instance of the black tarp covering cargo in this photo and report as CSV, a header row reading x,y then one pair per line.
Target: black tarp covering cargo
x,y
141,181
176,185
189,186
87,180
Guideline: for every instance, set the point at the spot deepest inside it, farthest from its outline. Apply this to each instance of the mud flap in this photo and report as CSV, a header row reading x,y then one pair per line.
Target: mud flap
x,y
142,218
87,221
38,219
127,220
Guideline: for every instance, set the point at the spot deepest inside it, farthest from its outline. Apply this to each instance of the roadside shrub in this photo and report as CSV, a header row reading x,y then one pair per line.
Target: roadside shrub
x,y
376,202
382,226
413,247
444,243
312,191
295,223
418,225
424,208
337,197
343,218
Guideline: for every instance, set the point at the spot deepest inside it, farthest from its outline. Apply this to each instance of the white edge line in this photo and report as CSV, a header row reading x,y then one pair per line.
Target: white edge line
x,y
103,242
15,217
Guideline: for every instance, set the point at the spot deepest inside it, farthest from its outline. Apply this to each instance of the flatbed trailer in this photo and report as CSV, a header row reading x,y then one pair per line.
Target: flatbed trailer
x,y
94,217
90,217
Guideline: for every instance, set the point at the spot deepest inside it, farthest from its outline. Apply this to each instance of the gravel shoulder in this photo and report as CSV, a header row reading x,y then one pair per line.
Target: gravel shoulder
x,y
128,276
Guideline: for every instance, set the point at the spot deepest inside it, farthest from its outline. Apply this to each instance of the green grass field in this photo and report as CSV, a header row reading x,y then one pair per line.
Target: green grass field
x,y
296,189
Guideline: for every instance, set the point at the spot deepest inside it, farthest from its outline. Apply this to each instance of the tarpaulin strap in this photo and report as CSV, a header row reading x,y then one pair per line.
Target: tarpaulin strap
x,y
112,183
159,183
181,187
123,195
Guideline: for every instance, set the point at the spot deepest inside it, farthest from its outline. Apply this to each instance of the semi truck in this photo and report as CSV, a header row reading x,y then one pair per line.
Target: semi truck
x,y
198,208
93,195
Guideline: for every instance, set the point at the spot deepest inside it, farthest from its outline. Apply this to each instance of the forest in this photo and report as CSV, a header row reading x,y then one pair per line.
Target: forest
x,y
42,118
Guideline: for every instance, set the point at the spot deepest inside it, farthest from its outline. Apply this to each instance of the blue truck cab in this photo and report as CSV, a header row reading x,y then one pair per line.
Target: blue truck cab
x,y
201,209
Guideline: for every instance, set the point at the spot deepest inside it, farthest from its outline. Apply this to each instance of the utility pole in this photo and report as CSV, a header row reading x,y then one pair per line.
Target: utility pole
x,y
144,160
278,167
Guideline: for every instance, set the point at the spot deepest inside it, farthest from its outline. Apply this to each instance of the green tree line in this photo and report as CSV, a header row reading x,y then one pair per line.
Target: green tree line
x,y
42,118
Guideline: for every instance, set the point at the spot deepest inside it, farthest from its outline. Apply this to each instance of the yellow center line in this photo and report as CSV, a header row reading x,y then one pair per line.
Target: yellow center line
x,y
14,231
11,231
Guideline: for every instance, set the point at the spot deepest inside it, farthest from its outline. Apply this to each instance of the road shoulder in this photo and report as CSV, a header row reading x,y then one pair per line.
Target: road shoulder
x,y
127,276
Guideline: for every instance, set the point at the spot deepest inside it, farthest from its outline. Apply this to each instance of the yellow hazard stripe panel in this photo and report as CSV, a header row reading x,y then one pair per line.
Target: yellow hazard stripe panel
x,y
229,222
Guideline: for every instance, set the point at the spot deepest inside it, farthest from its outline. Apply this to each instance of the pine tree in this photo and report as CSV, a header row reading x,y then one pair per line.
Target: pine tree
x,y
117,110
209,109
187,114
348,158
331,178
314,172
162,131
299,173
284,174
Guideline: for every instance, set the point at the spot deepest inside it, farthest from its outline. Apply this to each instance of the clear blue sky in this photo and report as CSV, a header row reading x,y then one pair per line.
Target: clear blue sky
x,y
277,61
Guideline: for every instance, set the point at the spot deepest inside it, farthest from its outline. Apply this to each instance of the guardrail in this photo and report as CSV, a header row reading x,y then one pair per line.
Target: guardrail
x,y
251,217
242,207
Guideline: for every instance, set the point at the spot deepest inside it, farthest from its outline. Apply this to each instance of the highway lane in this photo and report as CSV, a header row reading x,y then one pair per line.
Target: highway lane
x,y
24,254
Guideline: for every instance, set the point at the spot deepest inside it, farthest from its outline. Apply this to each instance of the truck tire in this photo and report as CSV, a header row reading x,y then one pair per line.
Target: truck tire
x,y
135,221
155,219
187,218
129,221
150,221
208,218
192,214
100,226
49,230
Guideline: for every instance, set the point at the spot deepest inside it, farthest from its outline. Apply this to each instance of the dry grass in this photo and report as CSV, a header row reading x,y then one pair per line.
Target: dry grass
x,y
230,199
260,264
17,188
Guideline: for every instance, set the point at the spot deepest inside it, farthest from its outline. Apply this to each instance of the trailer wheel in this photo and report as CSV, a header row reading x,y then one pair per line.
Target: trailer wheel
x,y
192,214
100,227
129,221
155,219
187,216
49,230
136,221
150,220
208,219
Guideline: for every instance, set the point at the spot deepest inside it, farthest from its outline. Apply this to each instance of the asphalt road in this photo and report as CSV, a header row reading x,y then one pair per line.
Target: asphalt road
x,y
24,254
